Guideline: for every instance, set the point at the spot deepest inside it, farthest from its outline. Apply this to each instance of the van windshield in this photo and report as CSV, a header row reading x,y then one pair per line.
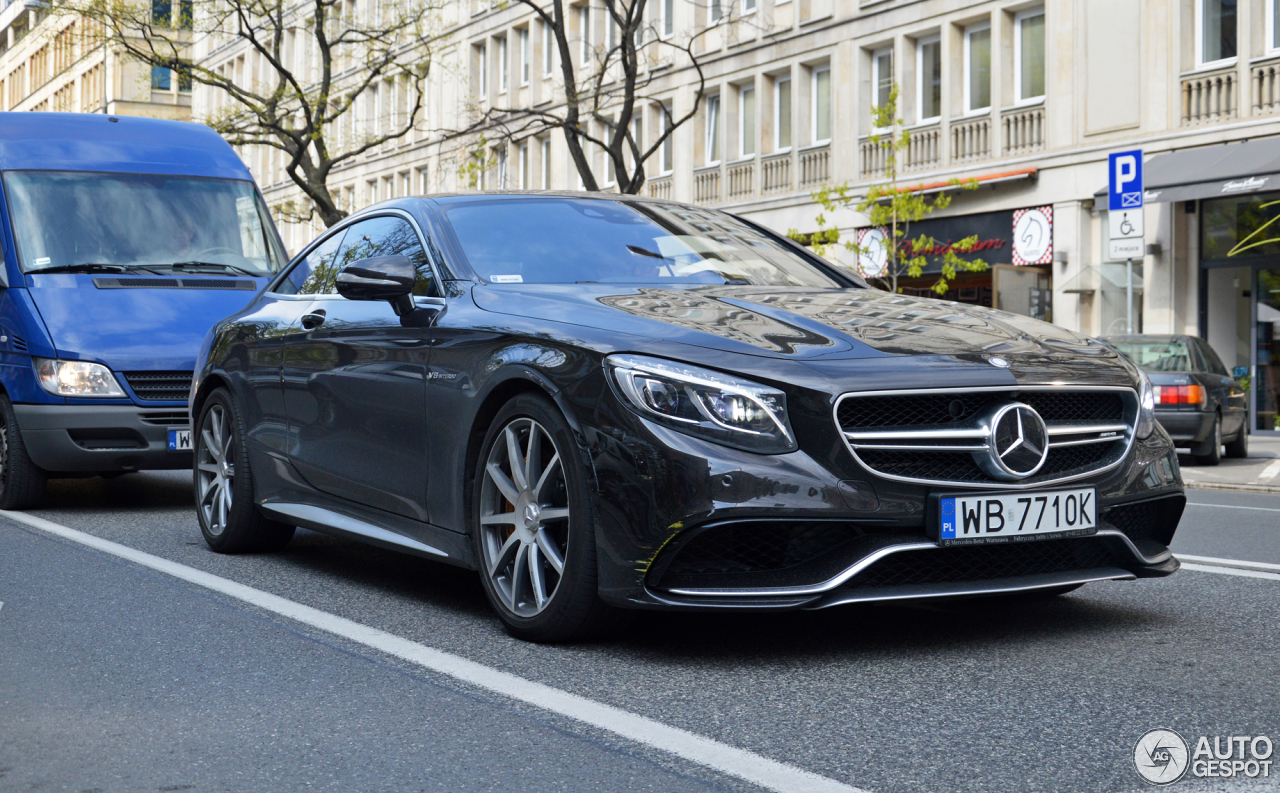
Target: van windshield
x,y
71,219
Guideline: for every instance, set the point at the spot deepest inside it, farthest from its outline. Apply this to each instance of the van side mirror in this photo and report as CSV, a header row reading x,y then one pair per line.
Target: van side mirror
x,y
1240,371
389,278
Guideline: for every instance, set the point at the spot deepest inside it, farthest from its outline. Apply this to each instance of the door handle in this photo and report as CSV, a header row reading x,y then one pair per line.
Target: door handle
x,y
313,320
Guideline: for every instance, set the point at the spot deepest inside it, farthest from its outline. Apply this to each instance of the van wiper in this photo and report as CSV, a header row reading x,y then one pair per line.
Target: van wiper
x,y
225,267
88,267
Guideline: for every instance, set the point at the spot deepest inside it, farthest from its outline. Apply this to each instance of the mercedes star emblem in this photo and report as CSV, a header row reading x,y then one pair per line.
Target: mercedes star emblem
x,y
1017,443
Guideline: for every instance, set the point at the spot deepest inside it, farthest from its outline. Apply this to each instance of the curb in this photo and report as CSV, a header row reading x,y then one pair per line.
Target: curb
x,y
1274,491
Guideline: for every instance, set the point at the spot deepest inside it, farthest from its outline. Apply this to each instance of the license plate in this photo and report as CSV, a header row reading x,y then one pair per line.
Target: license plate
x,y
179,440
1009,517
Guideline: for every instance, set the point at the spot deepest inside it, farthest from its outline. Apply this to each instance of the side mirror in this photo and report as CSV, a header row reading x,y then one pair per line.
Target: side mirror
x,y
389,278
1240,371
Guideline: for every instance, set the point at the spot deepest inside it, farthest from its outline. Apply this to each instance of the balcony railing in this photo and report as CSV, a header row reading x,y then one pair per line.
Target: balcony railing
x,y
815,166
1022,130
924,148
873,155
706,185
970,139
1264,79
741,180
660,188
1210,97
775,173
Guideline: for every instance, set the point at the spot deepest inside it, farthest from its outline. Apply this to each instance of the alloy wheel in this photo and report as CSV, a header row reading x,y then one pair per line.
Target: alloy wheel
x,y
524,517
217,470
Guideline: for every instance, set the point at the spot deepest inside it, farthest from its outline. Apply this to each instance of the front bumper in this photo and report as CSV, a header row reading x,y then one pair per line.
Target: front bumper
x,y
1186,427
101,438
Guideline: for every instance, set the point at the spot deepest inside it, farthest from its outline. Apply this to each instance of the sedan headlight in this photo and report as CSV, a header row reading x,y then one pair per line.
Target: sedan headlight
x,y
704,403
76,379
1146,407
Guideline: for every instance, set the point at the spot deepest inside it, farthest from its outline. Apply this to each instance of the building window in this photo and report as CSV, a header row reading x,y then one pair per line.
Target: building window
x,y
821,103
1273,31
714,7
747,122
929,71
881,76
548,50
371,192
503,67
584,28
1216,30
482,69
668,17
524,56
782,114
184,78
1029,55
423,185
668,146
160,80
545,156
162,14
406,183
502,168
712,143
748,6
524,166
637,131
977,68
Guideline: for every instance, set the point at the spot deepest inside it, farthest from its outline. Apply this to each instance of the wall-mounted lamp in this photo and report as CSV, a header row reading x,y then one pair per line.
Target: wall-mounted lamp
x,y
1154,249
1062,257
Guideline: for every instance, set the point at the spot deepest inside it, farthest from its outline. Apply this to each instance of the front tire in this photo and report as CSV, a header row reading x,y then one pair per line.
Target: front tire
x,y
228,517
532,527
22,482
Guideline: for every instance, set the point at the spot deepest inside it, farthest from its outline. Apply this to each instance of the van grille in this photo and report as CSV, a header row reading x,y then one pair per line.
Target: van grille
x,y
157,386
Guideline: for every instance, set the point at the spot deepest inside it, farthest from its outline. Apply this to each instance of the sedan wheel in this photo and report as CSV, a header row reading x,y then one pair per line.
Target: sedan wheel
x,y
215,471
524,517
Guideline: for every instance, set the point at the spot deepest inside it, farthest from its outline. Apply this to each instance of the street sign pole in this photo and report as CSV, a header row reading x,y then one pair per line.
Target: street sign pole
x,y
1125,215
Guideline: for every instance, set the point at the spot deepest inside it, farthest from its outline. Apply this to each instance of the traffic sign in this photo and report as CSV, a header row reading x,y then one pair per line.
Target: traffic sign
x,y
1125,180
1125,224
1120,250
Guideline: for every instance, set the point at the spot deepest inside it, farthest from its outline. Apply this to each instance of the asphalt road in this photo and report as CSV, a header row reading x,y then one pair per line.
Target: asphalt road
x,y
116,677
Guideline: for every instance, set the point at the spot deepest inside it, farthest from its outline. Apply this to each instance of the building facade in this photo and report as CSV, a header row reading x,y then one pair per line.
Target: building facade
x,y
1025,98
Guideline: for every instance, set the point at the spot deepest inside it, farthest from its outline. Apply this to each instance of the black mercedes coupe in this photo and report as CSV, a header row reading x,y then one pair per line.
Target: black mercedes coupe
x,y
606,402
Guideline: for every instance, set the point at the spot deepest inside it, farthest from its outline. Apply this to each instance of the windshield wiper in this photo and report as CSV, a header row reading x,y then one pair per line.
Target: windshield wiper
x,y
233,268
87,267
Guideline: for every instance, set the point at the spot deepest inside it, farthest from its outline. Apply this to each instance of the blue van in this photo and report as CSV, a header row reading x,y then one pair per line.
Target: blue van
x,y
125,240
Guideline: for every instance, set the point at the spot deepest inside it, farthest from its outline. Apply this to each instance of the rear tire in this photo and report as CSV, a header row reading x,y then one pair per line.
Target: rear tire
x,y
229,519
527,519
1213,455
22,482
1239,448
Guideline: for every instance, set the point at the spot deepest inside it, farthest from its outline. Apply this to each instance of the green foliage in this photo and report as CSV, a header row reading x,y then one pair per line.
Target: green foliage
x,y
892,208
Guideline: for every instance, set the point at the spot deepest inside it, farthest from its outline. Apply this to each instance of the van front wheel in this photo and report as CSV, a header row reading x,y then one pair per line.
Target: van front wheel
x,y
21,481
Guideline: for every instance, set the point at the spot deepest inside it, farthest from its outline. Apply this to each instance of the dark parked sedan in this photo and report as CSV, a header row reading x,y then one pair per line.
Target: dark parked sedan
x,y
1197,401
605,402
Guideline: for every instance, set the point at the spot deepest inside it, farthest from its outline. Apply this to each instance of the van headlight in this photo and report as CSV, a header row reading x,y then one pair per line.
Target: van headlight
x,y
1146,407
704,403
76,379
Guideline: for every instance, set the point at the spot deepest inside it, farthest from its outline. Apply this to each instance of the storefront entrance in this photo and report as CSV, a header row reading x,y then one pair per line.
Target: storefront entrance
x,y
1266,380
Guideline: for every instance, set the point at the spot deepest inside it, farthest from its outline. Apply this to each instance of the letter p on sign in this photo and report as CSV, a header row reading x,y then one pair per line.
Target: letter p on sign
x,y
1125,180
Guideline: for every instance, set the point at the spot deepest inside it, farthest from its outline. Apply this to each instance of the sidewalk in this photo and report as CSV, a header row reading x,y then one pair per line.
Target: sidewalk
x,y
1259,473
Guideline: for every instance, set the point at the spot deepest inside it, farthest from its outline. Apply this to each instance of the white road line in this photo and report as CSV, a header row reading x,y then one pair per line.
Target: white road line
x,y
726,759
1232,562
1204,568
1270,472
1231,506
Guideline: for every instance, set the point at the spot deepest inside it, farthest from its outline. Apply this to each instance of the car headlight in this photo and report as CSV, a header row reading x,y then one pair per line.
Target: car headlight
x,y
704,403
76,379
1146,407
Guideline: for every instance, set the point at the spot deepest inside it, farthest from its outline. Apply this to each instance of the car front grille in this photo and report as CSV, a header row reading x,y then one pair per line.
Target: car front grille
x,y
160,386
936,436
986,562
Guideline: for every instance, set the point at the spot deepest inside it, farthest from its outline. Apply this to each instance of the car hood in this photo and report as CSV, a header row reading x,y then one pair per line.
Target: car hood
x,y
792,322
131,329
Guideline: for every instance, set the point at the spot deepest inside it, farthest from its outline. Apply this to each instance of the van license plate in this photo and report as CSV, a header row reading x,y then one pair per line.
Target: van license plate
x,y
179,440
1005,517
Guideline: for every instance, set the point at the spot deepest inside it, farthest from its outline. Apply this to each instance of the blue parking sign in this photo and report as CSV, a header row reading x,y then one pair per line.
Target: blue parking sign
x,y
1125,180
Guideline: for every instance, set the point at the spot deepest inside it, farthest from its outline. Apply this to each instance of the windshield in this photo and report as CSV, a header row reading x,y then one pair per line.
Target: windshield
x,y
64,219
1157,356
584,240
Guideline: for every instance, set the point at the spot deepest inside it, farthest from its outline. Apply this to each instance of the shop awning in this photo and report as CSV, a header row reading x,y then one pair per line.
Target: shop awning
x,y
1212,171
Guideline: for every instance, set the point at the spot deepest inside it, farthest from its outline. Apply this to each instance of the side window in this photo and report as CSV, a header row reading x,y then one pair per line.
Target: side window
x,y
1211,357
315,274
388,236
